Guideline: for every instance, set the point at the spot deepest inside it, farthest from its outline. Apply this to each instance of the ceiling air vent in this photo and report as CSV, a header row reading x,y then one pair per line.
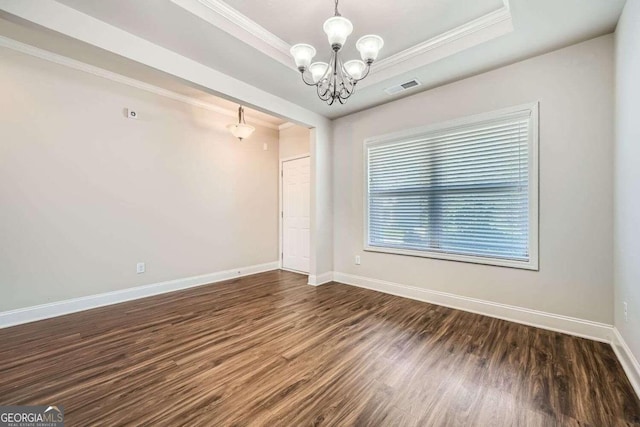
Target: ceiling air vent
x,y
402,87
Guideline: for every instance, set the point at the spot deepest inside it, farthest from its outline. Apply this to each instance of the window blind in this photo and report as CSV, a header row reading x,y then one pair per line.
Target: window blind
x,y
461,190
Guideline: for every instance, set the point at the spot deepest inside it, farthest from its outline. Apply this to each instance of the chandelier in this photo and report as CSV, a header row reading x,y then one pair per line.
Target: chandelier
x,y
336,81
241,130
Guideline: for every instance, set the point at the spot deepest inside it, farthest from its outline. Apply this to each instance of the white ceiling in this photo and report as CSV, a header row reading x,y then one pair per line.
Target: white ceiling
x,y
538,26
401,24
47,41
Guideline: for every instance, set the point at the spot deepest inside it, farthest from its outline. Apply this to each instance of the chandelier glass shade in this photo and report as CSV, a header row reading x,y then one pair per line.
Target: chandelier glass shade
x,y
336,80
241,130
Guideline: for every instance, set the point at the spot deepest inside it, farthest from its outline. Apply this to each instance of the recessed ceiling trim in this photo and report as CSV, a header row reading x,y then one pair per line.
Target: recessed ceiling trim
x,y
474,32
493,18
228,19
119,78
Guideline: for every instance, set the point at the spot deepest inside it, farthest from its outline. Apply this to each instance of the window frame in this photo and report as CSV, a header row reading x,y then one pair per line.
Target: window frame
x,y
533,165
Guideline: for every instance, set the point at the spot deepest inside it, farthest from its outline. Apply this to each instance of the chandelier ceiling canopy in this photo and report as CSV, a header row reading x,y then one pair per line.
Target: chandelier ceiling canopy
x,y
336,80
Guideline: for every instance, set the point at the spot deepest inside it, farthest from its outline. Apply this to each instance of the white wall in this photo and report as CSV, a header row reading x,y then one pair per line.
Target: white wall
x,y
294,141
627,176
574,88
86,193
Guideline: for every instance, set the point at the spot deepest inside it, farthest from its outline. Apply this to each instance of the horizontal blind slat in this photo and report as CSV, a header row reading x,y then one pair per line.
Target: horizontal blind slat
x,y
462,191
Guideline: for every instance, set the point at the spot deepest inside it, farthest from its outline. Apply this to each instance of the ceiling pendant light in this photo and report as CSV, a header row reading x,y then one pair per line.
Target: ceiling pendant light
x,y
336,81
241,130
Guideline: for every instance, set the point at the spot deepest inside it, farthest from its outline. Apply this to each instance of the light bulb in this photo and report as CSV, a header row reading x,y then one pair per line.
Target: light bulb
x,y
369,46
318,70
302,54
337,28
241,130
355,68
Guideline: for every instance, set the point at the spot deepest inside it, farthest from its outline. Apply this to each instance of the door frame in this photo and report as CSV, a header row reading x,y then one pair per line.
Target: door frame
x,y
281,208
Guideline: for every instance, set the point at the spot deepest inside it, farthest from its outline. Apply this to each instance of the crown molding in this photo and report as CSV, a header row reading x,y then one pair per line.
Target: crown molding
x,y
493,18
228,19
474,32
248,24
119,78
286,125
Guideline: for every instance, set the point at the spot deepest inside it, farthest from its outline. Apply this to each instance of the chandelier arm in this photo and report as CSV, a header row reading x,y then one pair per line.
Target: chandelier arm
x,y
302,74
343,71
365,74
349,92
353,89
352,82
324,88
327,97
324,93
341,92
336,62
345,95
346,91
329,70
347,84
339,68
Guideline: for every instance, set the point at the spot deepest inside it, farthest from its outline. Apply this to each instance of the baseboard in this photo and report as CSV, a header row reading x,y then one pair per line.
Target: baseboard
x,y
304,273
568,325
59,308
628,361
321,279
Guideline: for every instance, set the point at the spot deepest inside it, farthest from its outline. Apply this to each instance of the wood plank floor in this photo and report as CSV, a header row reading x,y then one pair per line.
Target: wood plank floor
x,y
270,350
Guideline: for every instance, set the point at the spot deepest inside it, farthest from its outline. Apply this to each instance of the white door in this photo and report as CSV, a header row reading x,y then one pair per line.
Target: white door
x,y
296,201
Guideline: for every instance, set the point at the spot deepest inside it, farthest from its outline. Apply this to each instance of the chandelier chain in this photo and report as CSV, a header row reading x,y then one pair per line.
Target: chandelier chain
x,y
336,13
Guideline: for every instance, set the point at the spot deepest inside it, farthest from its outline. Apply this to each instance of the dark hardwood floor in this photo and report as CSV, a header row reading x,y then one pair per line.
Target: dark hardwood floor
x,y
269,350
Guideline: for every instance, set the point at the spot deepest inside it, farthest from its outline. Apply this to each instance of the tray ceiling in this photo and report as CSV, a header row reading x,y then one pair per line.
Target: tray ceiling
x,y
402,24
435,41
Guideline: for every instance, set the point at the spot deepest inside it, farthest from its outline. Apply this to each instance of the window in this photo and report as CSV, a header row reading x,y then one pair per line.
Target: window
x,y
465,190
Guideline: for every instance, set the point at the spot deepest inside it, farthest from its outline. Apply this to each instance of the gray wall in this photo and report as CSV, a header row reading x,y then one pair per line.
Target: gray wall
x,y
294,141
86,193
574,88
627,176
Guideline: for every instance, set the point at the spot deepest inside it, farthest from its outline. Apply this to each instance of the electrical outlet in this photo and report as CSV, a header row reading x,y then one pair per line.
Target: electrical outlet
x,y
626,312
357,259
265,147
140,268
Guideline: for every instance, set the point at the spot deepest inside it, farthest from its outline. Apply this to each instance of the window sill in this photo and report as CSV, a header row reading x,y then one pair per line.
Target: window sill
x,y
532,264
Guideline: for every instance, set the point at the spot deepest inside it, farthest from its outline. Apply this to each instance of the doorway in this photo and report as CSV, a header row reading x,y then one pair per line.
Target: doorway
x,y
295,213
